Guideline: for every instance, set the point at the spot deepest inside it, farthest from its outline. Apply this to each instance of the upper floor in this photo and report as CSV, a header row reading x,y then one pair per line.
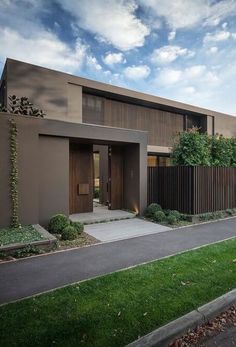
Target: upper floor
x,y
75,99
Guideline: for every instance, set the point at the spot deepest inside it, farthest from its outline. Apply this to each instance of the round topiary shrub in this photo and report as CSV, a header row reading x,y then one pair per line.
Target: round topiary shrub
x,y
159,216
152,209
78,226
57,223
176,214
171,219
69,233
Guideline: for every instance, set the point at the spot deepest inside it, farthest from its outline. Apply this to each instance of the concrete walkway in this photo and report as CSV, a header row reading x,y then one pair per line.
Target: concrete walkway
x,y
38,274
123,229
100,213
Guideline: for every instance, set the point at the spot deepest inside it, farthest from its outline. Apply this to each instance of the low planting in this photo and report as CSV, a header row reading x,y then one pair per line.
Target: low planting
x,y
61,225
116,309
155,213
22,235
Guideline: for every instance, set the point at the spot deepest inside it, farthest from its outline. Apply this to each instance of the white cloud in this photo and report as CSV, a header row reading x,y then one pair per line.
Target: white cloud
x,y
171,35
167,54
212,50
43,49
113,58
198,74
112,21
189,90
169,76
217,36
189,13
195,71
93,63
137,72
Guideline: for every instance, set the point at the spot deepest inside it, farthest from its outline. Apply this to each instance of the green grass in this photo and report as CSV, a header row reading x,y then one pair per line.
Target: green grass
x,y
115,309
25,234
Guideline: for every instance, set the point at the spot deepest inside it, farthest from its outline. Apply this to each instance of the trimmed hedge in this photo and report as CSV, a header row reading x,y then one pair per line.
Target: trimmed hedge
x,y
57,223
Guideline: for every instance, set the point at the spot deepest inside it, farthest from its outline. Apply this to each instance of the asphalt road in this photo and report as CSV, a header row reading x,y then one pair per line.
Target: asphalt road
x,y
31,276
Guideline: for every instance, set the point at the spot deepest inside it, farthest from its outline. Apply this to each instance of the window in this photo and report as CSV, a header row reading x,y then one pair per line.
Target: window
x,y
156,160
152,161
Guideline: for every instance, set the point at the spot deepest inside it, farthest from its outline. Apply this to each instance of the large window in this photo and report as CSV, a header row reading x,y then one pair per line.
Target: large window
x,y
158,160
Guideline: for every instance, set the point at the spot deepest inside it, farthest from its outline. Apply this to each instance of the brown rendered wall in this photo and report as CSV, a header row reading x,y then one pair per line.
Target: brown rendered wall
x,y
43,163
27,167
53,165
60,96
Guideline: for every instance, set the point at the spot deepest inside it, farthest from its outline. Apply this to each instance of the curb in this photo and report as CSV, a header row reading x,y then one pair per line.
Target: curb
x,y
164,335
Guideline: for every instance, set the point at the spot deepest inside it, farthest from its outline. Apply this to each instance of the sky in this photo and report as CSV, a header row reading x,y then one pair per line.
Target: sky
x,y
183,50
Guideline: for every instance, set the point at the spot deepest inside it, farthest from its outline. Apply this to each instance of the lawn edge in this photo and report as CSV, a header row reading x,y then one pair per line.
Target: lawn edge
x,y
164,335
116,271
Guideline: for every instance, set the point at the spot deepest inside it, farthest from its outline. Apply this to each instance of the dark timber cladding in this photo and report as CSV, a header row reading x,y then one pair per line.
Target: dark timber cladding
x,y
192,190
81,178
162,126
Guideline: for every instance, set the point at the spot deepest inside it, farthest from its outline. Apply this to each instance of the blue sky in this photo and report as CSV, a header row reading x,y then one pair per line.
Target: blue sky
x,y
183,49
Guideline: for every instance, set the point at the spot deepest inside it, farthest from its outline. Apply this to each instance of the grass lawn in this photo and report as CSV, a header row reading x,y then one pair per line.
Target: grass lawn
x,y
115,309
25,234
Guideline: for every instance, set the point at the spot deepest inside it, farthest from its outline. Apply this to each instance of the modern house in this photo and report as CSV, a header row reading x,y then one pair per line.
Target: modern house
x,y
92,134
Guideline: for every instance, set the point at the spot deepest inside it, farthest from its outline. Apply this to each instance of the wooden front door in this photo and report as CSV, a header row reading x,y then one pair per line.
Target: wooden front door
x,y
115,177
81,178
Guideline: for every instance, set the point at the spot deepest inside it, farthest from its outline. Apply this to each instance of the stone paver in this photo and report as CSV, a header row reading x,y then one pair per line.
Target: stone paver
x,y
123,229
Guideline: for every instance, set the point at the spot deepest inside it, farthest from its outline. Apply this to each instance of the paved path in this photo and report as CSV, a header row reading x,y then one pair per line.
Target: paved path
x,y
34,275
123,229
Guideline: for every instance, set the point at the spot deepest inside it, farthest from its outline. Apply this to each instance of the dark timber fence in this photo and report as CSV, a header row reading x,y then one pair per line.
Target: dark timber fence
x,y
192,190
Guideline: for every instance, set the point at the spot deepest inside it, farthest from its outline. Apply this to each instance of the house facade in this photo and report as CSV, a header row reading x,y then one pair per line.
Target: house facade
x,y
93,134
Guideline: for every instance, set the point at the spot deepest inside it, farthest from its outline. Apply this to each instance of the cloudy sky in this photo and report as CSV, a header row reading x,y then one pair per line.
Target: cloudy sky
x,y
183,49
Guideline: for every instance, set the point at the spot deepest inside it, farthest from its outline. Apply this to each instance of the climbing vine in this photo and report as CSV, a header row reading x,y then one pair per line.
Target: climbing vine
x,y
14,175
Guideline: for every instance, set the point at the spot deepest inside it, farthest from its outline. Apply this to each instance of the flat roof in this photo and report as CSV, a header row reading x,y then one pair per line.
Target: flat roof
x,y
128,95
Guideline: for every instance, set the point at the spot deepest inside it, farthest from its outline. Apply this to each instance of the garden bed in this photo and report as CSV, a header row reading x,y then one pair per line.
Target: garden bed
x,y
25,234
115,309
174,219
82,240
25,241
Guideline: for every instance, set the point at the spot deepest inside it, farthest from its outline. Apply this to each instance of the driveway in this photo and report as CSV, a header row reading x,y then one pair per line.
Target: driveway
x,y
31,276
123,229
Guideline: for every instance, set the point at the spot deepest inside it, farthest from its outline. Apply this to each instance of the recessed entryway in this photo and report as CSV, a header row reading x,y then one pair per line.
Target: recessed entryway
x,y
123,229
101,214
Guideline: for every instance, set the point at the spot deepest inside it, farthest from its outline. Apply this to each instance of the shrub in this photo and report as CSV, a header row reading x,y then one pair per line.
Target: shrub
x,y
152,209
96,193
159,216
78,226
176,214
69,233
171,219
191,148
229,211
221,151
57,223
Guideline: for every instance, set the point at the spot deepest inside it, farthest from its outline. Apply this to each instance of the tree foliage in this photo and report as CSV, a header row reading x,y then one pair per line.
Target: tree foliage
x,y
192,148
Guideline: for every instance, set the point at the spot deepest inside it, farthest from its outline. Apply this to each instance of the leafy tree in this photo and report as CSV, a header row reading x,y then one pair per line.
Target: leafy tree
x,y
233,159
221,151
191,149
21,106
